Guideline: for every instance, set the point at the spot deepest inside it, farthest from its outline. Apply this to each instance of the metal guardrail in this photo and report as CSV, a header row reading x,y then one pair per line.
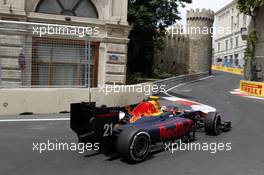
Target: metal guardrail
x,y
174,81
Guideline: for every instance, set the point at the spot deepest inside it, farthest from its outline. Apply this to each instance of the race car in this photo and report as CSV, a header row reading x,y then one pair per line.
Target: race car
x,y
133,130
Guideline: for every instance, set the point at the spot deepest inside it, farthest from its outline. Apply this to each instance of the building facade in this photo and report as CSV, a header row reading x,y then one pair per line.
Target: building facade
x,y
229,47
60,59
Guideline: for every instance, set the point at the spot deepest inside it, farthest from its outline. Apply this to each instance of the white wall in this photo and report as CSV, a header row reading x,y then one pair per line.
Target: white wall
x,y
46,101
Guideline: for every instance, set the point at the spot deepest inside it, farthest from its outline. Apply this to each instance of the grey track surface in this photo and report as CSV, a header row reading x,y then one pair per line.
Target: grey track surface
x,y
245,158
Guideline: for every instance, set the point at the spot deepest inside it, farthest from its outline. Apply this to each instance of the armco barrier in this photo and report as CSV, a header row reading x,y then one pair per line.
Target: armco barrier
x,y
174,81
55,100
228,69
252,88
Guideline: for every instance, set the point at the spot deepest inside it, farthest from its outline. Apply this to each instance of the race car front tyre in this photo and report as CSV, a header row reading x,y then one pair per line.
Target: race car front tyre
x,y
134,144
212,124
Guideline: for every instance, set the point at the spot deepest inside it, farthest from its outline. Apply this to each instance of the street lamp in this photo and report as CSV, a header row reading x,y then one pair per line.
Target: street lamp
x,y
88,64
244,33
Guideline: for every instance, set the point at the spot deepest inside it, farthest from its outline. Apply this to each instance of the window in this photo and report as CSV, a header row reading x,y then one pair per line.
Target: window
x,y
231,61
238,21
232,23
225,61
62,63
237,42
236,60
231,43
81,8
219,46
226,42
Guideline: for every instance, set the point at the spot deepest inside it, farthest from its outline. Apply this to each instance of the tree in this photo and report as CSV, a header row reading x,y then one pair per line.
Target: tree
x,y
250,7
149,19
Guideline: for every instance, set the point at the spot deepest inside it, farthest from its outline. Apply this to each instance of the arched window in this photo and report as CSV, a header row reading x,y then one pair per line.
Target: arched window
x,y
81,8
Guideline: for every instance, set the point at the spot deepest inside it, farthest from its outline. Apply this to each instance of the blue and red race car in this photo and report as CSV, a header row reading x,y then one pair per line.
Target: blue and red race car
x,y
131,131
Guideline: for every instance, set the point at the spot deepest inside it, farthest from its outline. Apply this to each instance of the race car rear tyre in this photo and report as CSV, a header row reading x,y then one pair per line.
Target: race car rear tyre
x,y
133,144
212,124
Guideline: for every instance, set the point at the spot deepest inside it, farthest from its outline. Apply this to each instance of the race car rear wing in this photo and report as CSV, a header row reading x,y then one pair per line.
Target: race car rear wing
x,y
91,123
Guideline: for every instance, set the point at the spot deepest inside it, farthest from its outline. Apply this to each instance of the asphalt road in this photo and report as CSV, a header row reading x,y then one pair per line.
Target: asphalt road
x,y
245,158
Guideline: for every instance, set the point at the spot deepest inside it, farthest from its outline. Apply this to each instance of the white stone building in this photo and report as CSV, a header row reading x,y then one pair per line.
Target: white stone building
x,y
229,47
109,47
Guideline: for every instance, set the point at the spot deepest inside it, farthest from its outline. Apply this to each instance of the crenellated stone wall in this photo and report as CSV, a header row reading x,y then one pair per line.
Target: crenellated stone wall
x,y
188,51
174,57
200,43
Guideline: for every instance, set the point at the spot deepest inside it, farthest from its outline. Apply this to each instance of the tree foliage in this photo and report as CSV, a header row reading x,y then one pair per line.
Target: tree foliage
x,y
149,19
250,7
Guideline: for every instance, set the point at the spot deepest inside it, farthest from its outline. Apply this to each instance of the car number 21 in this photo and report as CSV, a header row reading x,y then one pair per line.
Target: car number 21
x,y
108,130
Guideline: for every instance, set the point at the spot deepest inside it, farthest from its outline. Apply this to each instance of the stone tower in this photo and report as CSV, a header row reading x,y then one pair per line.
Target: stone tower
x,y
199,28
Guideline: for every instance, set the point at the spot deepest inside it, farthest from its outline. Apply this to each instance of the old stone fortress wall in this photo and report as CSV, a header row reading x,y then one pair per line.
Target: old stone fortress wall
x,y
192,51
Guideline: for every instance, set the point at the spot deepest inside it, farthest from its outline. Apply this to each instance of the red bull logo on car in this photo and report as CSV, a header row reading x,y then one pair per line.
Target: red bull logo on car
x,y
180,129
146,109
